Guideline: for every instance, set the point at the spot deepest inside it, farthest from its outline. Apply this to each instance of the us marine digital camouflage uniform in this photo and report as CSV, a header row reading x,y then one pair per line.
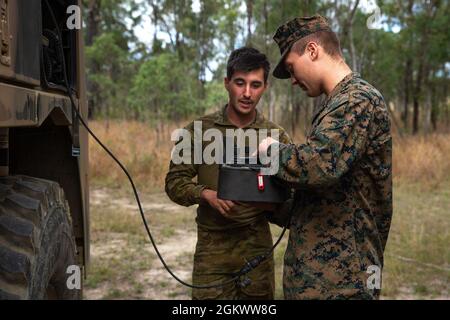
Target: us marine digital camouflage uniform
x,y
343,201
224,245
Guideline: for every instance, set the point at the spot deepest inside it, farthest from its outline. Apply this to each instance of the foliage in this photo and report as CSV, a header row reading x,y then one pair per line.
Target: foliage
x,y
179,73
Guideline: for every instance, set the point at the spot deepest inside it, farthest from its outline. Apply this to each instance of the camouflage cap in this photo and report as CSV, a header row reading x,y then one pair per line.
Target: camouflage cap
x,y
293,30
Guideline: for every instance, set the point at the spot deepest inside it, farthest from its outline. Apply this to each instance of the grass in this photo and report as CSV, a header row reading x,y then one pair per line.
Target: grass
x,y
137,147
100,271
417,254
417,258
146,154
279,257
421,160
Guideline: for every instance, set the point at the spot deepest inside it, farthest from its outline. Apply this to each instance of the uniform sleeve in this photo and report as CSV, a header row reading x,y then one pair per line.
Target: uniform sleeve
x,y
284,137
331,149
282,214
179,184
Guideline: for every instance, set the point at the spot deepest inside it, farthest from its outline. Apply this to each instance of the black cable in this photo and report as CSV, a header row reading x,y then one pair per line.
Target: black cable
x,y
247,268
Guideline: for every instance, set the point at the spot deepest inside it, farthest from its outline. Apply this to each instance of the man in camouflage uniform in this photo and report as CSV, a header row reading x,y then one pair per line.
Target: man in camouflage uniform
x,y
342,174
229,234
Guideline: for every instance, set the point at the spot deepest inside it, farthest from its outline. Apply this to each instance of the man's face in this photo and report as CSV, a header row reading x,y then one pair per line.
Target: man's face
x,y
245,89
304,72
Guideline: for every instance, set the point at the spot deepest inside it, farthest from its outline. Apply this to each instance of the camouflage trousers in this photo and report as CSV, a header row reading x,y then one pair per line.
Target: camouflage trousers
x,y
219,254
329,269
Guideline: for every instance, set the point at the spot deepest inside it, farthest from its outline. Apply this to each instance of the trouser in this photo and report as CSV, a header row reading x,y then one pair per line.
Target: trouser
x,y
219,254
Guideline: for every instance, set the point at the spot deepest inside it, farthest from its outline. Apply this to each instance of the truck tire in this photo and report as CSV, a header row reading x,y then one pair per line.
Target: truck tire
x,y
36,240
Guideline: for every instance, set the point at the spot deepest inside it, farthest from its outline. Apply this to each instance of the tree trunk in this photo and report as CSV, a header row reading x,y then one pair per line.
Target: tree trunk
x,y
345,31
434,108
422,68
92,31
155,20
179,49
427,120
408,77
93,21
407,91
249,4
352,50
266,52
432,100
416,104
350,36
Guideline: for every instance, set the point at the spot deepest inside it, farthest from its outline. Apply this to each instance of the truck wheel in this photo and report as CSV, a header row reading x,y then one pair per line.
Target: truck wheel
x,y
36,240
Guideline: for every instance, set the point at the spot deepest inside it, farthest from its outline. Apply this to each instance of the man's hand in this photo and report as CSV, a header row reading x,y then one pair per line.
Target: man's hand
x,y
223,206
264,145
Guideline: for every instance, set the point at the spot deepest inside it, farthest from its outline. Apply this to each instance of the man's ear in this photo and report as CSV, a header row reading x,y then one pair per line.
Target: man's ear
x,y
226,82
312,49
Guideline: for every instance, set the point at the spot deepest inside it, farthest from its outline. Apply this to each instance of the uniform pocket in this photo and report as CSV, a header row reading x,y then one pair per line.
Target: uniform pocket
x,y
262,282
207,294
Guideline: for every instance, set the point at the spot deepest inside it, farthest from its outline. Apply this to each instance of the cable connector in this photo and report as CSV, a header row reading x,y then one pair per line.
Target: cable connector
x,y
243,283
252,264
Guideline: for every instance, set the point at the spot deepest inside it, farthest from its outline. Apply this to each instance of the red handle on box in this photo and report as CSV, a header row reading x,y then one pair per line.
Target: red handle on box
x,y
260,182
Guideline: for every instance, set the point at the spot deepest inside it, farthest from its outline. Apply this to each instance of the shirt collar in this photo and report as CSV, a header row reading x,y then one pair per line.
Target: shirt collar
x,y
222,119
338,88
341,85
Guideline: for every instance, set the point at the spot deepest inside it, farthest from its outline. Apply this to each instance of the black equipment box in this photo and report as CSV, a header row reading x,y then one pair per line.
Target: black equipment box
x,y
244,182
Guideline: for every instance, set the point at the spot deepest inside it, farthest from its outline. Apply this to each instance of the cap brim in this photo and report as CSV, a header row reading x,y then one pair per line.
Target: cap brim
x,y
280,71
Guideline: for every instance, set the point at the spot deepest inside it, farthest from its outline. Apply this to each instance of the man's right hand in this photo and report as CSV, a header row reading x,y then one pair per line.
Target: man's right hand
x,y
223,206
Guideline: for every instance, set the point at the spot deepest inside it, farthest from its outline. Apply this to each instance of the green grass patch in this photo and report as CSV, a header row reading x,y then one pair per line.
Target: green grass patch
x,y
417,255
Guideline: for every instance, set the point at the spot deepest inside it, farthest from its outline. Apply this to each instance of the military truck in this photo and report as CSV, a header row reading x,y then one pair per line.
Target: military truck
x,y
44,208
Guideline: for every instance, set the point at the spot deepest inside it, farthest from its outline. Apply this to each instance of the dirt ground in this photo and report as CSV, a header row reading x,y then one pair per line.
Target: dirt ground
x,y
142,277
124,264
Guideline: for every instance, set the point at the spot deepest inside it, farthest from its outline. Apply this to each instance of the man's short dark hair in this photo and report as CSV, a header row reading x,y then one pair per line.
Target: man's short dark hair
x,y
247,59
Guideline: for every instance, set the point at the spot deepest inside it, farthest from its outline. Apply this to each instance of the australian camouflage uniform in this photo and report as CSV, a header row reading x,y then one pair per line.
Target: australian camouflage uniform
x,y
224,244
343,199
